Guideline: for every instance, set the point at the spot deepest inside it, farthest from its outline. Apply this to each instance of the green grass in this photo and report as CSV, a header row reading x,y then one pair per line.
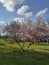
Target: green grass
x,y
11,54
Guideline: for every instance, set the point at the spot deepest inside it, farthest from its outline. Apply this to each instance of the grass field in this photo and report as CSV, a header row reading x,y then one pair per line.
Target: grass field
x,y
11,54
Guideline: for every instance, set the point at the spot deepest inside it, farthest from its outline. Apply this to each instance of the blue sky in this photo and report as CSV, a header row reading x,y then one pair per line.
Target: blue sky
x,y
23,9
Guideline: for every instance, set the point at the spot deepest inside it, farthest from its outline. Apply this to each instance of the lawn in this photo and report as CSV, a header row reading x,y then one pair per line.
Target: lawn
x,y
11,54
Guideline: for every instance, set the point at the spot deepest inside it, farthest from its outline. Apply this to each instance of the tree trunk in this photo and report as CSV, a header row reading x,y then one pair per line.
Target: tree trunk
x,y
20,46
30,44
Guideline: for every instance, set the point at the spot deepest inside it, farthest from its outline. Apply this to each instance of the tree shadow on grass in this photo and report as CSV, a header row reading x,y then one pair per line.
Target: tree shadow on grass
x,y
27,57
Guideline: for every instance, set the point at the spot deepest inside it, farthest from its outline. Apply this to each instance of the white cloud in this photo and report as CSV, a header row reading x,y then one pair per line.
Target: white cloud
x,y
23,11
41,12
10,4
19,19
28,14
2,23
